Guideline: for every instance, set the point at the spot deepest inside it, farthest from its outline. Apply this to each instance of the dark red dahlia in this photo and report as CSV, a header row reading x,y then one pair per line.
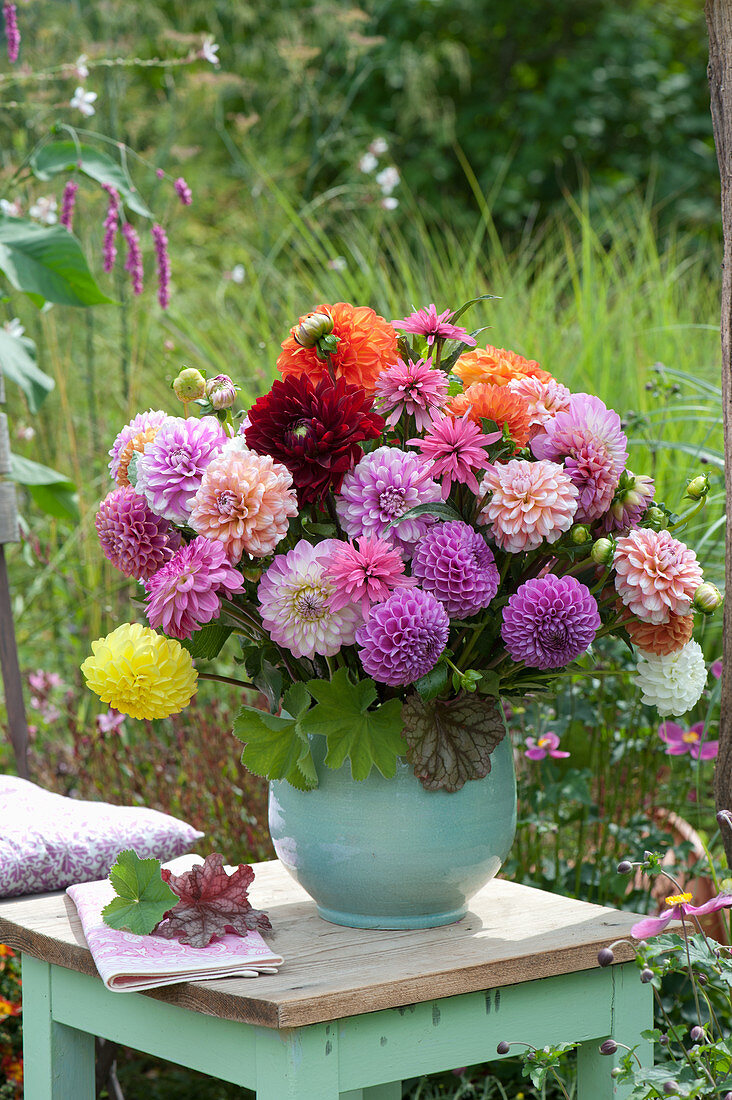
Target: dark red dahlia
x,y
314,431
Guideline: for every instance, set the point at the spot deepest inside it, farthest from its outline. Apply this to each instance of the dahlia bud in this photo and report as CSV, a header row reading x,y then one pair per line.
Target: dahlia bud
x,y
221,392
625,867
707,598
312,328
697,1034
656,519
605,956
698,487
580,534
603,552
503,1047
608,1047
646,975
190,385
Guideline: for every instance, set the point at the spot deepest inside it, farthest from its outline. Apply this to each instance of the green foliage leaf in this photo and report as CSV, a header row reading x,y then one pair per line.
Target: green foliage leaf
x,y
451,741
47,264
471,302
207,642
370,738
18,364
432,683
142,898
52,491
276,746
436,508
63,156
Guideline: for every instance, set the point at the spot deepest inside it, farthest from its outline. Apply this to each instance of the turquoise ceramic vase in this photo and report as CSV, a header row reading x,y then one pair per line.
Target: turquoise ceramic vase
x,y
386,853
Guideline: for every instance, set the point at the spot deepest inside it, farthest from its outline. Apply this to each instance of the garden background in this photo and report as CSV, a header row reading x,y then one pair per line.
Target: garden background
x,y
557,155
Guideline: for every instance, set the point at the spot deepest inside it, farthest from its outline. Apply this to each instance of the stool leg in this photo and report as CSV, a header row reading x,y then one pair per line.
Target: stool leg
x,y
632,1013
58,1061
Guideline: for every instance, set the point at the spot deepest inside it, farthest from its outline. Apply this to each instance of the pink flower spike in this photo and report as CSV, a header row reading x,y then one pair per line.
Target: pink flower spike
x,y
365,575
133,263
183,191
547,745
416,388
679,908
12,34
111,221
455,448
161,252
68,202
716,669
427,322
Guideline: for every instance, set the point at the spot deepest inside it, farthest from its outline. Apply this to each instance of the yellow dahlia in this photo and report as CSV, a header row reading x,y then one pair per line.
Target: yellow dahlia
x,y
498,366
140,673
367,346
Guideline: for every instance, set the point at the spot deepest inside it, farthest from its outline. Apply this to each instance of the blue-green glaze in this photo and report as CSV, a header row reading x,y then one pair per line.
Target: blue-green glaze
x,y
386,853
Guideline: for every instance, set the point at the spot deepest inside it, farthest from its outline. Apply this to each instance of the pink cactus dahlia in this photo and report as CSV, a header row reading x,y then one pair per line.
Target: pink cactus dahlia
x,y
655,574
415,388
365,575
454,447
531,503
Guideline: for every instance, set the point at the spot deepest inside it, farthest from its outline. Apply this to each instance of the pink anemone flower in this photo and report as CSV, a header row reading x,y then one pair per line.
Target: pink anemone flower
x,y
678,908
680,741
547,745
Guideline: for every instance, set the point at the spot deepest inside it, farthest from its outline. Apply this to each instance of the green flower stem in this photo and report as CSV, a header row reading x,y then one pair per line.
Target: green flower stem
x,y
227,680
683,520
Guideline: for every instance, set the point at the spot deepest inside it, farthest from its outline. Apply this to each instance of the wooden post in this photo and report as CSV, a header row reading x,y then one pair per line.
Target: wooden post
x,y
719,24
8,650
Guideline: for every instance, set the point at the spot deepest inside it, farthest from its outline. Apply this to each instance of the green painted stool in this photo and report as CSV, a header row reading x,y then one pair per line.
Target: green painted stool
x,y
351,1012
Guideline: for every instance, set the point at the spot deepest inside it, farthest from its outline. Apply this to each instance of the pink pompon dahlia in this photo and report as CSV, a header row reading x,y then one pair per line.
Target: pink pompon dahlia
x,y
679,907
545,398
170,472
364,575
154,418
679,741
655,574
184,595
415,388
383,486
454,447
403,637
455,564
589,439
549,621
132,537
427,322
245,501
295,602
530,503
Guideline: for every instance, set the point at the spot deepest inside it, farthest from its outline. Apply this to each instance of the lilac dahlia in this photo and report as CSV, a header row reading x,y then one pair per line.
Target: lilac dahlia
x,y
184,595
295,602
403,637
170,472
153,418
381,487
549,621
588,438
132,537
455,564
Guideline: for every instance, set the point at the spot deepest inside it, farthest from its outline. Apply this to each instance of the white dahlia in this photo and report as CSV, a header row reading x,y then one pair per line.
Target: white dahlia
x,y
672,682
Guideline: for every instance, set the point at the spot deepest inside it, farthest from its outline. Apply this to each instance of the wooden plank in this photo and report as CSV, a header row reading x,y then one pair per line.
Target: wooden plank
x,y
512,934
10,669
4,445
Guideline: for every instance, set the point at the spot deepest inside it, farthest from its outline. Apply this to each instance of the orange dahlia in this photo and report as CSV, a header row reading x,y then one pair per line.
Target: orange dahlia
x,y
662,638
367,346
497,366
495,403
137,443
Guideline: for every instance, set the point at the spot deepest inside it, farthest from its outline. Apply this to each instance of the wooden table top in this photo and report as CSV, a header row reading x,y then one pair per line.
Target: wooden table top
x,y
511,934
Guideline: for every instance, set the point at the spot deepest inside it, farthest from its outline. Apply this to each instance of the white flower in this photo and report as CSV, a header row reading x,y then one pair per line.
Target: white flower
x,y
367,163
389,203
338,263
388,179
209,50
82,101
25,433
81,69
44,210
378,147
237,273
11,209
14,328
672,683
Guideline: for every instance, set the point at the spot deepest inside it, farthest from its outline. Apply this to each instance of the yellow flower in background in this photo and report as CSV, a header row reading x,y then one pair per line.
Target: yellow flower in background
x,y
140,673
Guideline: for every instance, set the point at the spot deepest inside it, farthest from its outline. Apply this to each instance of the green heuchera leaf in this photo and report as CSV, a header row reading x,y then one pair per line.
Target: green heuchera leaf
x,y
47,264
142,899
276,746
371,738
451,741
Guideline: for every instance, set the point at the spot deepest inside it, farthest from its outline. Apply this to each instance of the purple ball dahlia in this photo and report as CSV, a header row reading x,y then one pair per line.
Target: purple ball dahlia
x,y
403,637
549,621
170,472
455,564
184,595
133,538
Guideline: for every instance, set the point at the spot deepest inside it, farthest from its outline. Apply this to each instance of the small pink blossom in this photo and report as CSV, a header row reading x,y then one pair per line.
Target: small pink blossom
x,y
110,722
427,322
547,745
455,447
678,908
183,191
716,669
680,741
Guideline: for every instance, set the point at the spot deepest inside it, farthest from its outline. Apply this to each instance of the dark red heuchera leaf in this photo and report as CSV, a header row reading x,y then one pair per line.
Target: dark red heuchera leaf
x,y
212,902
314,431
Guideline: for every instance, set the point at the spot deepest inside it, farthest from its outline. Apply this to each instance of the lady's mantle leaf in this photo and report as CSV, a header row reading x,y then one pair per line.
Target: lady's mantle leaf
x,y
142,899
277,746
211,903
451,741
368,737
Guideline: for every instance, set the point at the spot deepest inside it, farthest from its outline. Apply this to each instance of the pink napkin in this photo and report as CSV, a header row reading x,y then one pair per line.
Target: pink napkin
x,y
128,963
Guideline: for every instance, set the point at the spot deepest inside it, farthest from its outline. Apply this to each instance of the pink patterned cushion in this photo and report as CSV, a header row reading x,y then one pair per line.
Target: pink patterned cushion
x,y
48,842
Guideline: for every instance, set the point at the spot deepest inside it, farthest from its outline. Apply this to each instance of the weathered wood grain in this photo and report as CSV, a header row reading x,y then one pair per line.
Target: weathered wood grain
x,y
512,934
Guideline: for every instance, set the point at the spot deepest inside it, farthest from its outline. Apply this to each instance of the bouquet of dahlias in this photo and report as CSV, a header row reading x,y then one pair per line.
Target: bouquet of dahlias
x,y
403,531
